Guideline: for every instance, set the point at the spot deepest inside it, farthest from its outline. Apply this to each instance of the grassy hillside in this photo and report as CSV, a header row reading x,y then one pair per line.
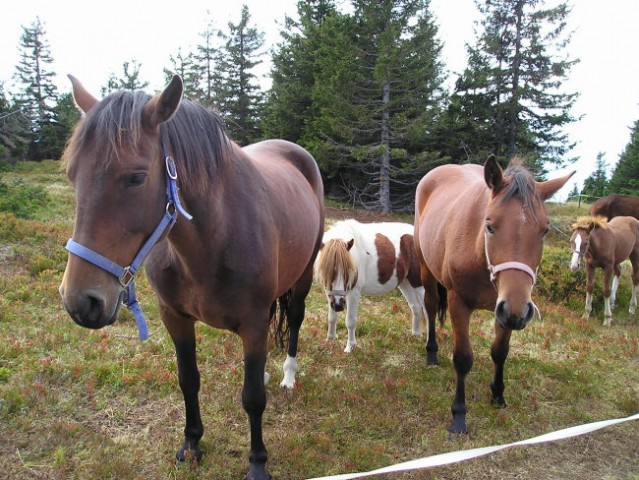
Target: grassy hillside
x,y
79,404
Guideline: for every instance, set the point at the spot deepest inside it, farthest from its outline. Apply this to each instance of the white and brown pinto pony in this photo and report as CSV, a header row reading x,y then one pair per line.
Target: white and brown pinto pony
x,y
358,259
605,244
479,234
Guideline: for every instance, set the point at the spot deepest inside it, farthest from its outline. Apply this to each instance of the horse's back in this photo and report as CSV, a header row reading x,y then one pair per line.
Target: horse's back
x,y
383,252
448,206
616,205
626,232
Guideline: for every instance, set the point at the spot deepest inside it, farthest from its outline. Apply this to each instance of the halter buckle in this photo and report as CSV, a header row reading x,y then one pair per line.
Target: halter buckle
x,y
127,277
171,170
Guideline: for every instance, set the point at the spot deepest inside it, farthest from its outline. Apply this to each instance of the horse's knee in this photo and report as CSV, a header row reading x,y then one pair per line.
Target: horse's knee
x,y
463,362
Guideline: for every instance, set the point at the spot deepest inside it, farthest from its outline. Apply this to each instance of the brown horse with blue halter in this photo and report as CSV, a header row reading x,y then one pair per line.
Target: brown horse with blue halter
x,y
225,233
479,235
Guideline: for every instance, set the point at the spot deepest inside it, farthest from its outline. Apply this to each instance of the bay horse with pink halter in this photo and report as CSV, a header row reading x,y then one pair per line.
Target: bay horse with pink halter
x,y
479,236
605,244
228,233
358,259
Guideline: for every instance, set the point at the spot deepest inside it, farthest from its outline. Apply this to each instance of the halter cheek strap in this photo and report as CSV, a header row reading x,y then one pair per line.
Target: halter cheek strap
x,y
125,275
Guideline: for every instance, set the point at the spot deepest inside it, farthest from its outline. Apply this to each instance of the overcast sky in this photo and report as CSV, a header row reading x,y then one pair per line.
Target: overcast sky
x,y
92,40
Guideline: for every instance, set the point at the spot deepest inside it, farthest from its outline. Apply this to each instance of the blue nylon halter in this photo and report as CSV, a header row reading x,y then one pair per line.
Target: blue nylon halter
x,y
125,275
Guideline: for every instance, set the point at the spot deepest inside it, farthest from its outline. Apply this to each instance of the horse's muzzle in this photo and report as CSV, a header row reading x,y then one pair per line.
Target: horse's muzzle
x,y
339,305
89,310
514,321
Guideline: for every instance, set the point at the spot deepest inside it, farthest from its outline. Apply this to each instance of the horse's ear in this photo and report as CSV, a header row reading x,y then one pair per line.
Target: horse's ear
x,y
350,244
83,99
163,105
548,188
493,174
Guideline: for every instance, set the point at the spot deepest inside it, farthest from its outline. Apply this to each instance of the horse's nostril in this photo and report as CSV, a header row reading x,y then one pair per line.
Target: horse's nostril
x,y
90,310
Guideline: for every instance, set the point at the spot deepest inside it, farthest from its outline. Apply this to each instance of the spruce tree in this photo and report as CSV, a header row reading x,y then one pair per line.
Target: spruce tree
x,y
625,178
377,92
130,79
509,100
241,96
596,185
38,94
14,130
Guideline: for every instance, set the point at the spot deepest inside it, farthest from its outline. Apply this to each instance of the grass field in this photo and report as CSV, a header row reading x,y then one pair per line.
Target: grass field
x,y
80,404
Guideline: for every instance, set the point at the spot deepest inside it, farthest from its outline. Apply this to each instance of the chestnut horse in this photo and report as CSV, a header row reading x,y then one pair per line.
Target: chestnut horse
x,y
605,244
257,223
616,206
368,259
479,236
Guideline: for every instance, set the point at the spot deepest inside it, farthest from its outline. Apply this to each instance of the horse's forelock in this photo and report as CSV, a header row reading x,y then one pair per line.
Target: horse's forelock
x,y
585,222
195,136
112,125
520,184
335,257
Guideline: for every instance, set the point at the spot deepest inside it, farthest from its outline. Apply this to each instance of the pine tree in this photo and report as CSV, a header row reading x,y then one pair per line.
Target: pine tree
x,y
596,185
288,106
14,131
206,66
130,79
186,67
625,178
509,101
39,94
241,97
376,94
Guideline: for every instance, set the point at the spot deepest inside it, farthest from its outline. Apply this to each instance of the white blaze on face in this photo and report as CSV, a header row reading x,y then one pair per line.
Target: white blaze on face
x,y
574,260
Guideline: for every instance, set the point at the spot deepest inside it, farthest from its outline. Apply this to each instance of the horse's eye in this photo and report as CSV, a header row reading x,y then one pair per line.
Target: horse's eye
x,y
490,229
136,179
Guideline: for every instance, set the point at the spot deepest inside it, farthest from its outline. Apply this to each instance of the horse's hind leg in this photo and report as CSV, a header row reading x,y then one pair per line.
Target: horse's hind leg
x,y
431,302
254,341
182,332
295,311
634,260
615,285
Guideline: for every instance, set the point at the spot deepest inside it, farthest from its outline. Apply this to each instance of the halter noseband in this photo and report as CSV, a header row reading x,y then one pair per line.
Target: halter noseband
x,y
495,269
125,275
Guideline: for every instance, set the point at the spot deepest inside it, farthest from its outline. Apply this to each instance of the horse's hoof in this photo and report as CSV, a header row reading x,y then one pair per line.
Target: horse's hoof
x,y
432,360
457,428
258,473
498,402
188,455
349,348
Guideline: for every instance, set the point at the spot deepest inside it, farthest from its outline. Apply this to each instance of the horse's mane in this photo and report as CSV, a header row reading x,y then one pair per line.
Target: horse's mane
x,y
335,257
194,136
588,221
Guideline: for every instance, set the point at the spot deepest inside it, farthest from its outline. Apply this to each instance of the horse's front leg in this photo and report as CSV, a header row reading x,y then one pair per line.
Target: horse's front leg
x,y
352,305
332,323
462,360
590,287
499,353
254,341
182,332
606,293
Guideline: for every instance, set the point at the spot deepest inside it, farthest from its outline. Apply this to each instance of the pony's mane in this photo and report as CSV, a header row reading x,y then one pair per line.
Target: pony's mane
x,y
194,136
598,221
334,257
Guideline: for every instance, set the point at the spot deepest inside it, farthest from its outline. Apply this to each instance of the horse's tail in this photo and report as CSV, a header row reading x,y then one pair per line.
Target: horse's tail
x,y
442,293
279,323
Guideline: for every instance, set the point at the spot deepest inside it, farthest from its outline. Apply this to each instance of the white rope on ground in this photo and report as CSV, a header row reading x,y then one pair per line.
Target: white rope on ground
x,y
454,457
